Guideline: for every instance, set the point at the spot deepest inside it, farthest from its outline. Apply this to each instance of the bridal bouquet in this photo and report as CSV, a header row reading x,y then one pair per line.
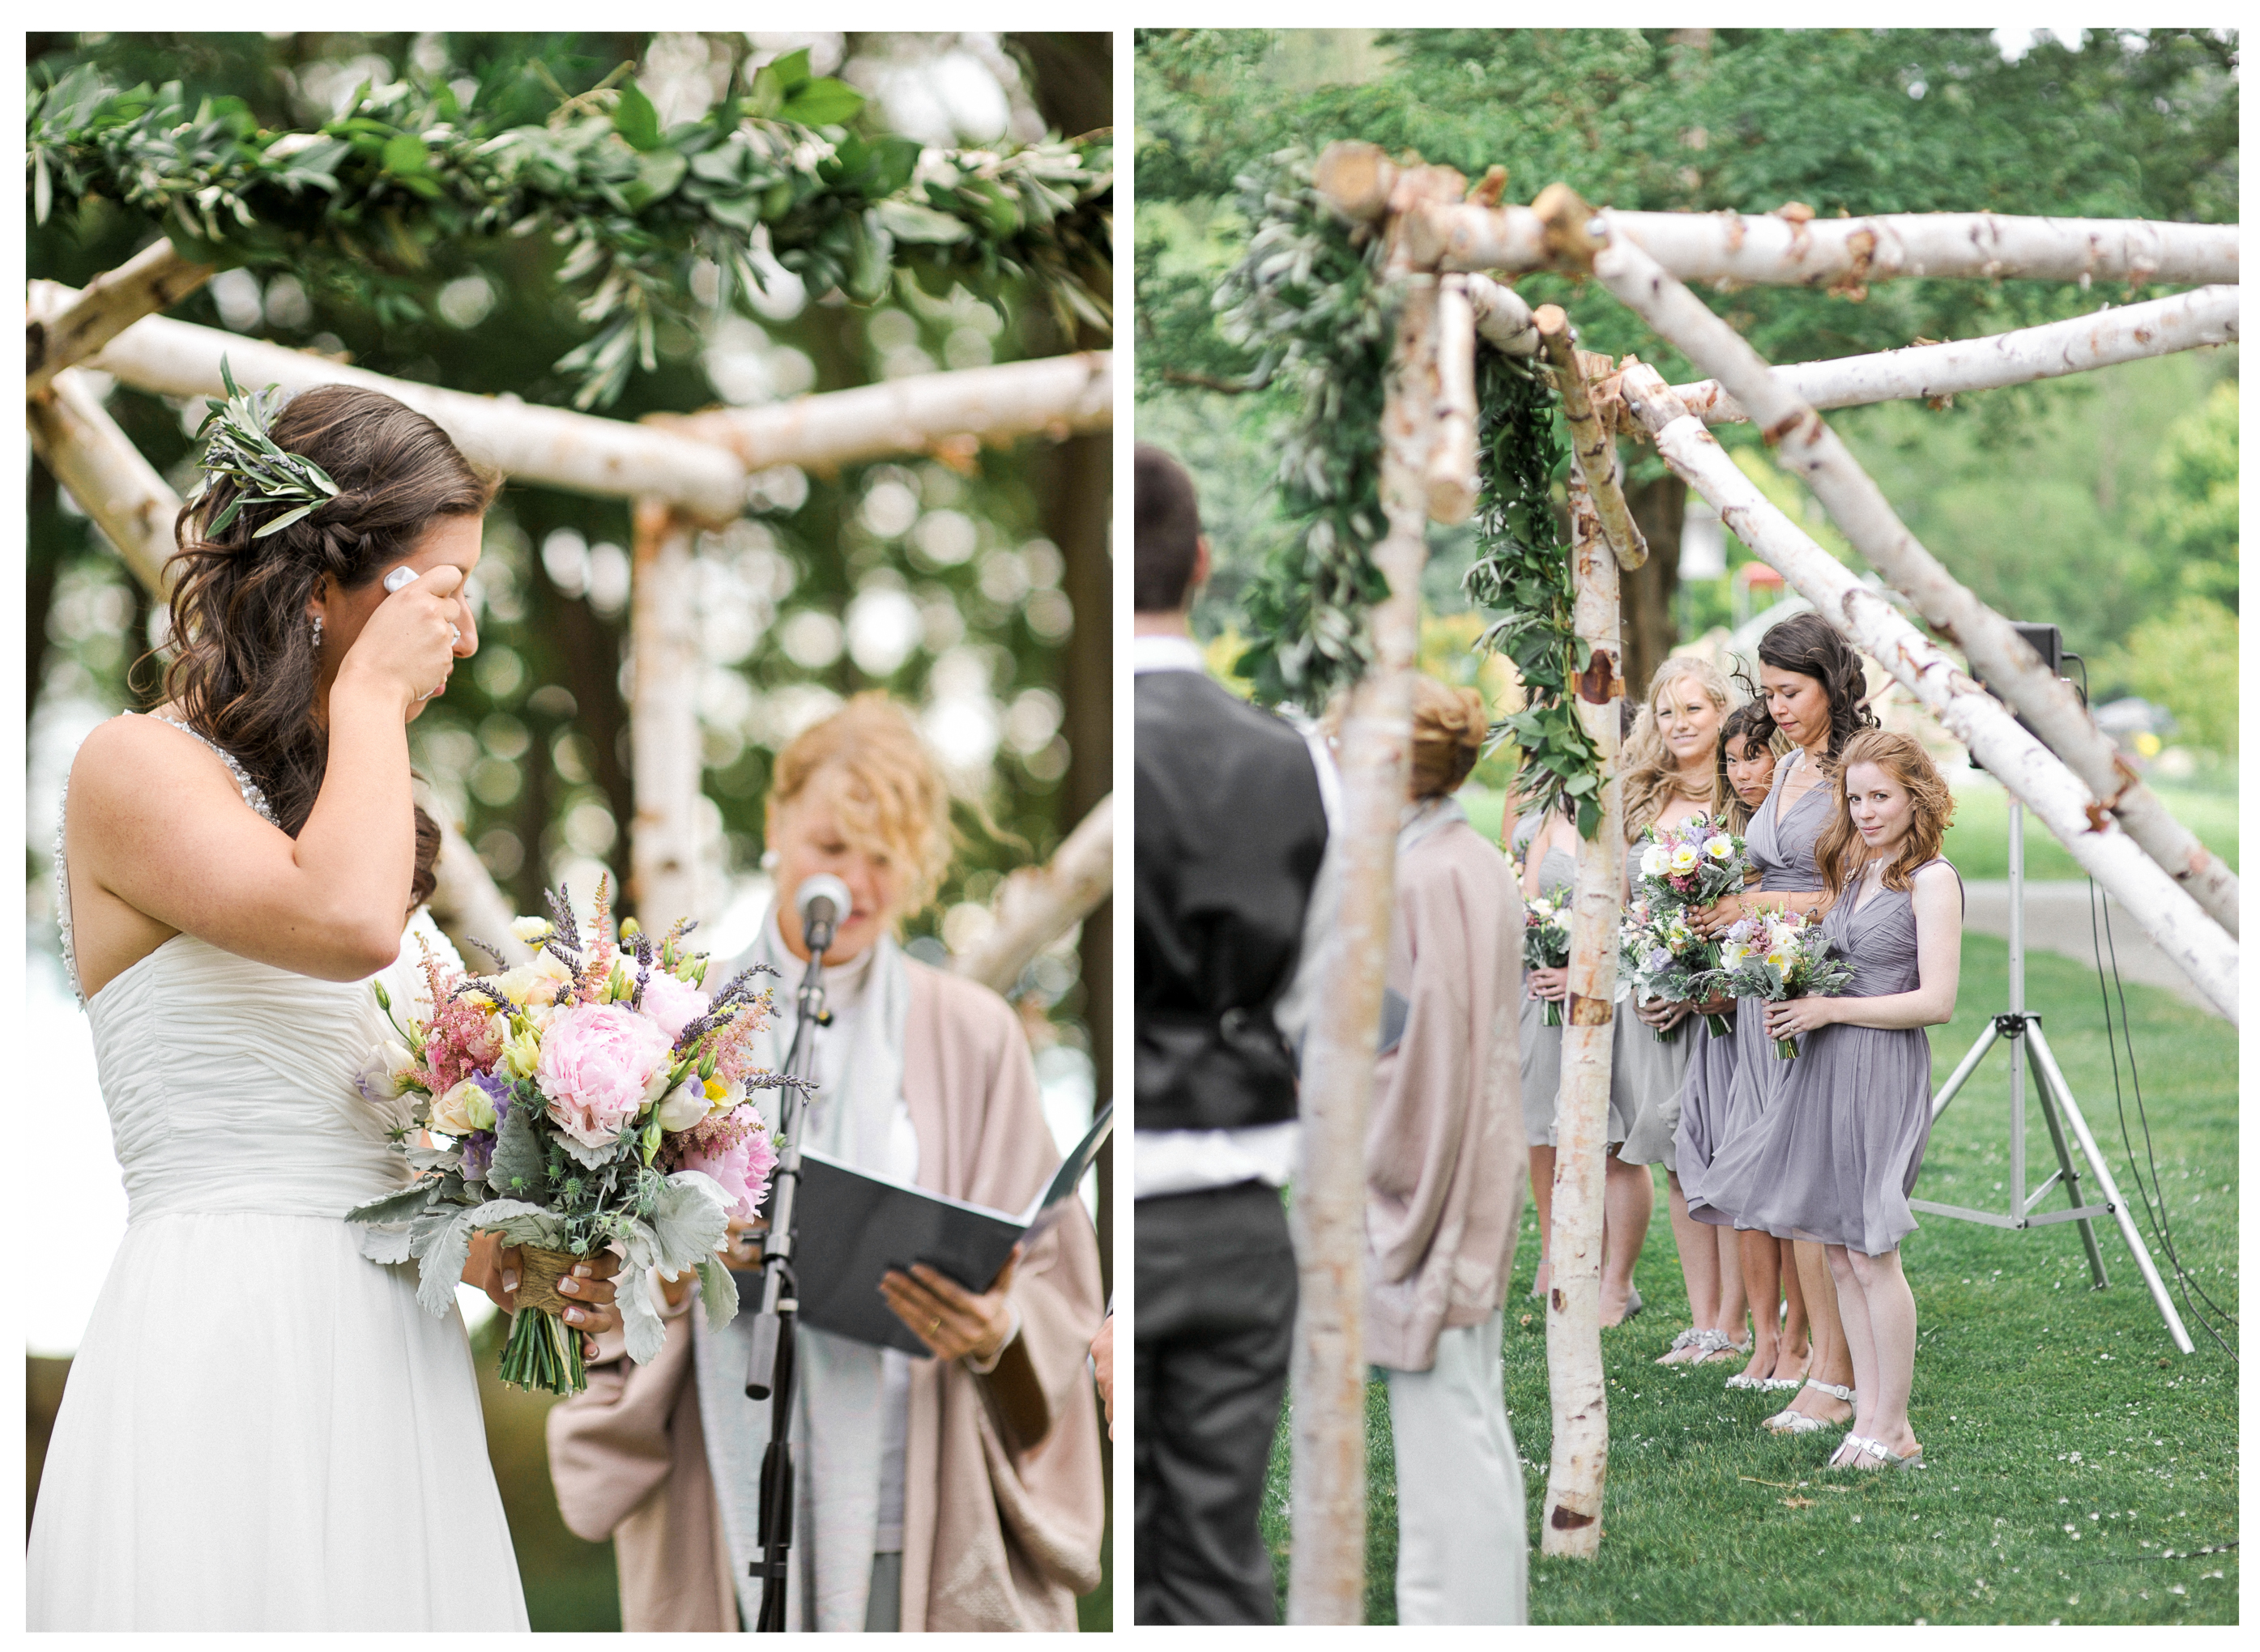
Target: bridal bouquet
x,y
1781,956
1691,864
1661,957
1545,942
597,1096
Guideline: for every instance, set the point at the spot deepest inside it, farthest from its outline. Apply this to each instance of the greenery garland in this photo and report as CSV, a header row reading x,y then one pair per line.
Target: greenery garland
x,y
405,171
1307,299
1523,567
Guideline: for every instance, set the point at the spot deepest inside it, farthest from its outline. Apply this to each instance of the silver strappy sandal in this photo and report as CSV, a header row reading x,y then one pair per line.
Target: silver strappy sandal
x,y
1716,1345
1885,1457
1793,1422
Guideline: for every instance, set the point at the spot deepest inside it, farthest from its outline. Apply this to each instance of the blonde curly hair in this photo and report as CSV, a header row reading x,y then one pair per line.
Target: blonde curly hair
x,y
1651,774
895,803
1449,727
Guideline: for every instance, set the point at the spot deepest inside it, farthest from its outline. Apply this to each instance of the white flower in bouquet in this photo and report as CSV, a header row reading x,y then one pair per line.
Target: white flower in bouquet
x,y
465,1108
1655,860
533,931
685,1105
382,1077
1684,857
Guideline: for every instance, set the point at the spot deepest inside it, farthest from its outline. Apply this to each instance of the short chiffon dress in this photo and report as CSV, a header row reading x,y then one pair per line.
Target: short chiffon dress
x,y
1835,1158
1781,848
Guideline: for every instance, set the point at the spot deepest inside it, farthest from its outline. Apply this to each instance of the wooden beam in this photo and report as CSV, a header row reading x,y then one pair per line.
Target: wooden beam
x,y
153,279
1814,453
1593,449
1576,1380
1035,905
1846,254
2131,333
99,467
668,753
1057,396
2199,946
1502,317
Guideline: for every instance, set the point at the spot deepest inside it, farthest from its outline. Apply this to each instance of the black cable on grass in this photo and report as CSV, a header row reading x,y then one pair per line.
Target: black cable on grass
x,y
2161,1220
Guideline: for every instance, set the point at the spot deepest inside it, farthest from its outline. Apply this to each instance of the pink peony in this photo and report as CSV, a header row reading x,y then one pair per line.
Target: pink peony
x,y
672,1003
741,1166
597,1061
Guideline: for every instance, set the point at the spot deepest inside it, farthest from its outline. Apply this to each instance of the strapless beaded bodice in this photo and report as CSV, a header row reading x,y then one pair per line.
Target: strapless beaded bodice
x,y
229,1086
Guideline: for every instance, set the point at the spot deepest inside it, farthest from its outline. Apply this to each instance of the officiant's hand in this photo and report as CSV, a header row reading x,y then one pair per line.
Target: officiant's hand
x,y
954,1323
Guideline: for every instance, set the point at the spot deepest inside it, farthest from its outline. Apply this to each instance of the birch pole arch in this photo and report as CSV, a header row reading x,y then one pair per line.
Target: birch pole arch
x,y
1354,265
1038,213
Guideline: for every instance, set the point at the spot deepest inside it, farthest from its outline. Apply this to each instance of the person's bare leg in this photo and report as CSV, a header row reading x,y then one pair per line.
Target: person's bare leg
x,y
1628,1206
1859,1339
1699,1265
1733,1300
1797,1328
1832,1359
1761,1271
1541,1196
1887,1306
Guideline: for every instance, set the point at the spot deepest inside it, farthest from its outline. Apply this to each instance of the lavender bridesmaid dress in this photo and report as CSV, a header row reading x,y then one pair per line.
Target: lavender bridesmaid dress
x,y
1782,851
1834,1157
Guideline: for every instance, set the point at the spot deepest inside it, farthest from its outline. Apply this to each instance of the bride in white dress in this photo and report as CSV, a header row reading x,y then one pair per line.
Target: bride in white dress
x,y
261,1429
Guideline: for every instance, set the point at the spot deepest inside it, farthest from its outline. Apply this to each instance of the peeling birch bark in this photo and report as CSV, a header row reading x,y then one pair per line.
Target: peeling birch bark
x,y
1502,317
1578,1473
1036,904
2008,665
2206,316
1327,1576
576,452
2199,946
1593,449
153,279
1846,254
1055,396
99,467
663,717
1450,475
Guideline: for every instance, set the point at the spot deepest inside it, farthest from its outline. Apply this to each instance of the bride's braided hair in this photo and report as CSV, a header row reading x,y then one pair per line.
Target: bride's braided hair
x,y
245,661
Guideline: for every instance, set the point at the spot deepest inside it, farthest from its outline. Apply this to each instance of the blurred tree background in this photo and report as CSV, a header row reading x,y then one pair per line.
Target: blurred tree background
x,y
971,583
2105,502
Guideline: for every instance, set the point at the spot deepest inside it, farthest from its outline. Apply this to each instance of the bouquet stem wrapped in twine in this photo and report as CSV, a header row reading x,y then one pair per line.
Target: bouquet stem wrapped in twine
x,y
537,1273
543,1352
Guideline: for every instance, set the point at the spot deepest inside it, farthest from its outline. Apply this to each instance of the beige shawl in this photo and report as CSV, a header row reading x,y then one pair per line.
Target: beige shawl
x,y
1444,1141
991,1539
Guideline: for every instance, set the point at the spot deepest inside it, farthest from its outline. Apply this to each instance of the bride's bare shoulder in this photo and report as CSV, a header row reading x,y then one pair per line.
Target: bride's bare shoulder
x,y
142,760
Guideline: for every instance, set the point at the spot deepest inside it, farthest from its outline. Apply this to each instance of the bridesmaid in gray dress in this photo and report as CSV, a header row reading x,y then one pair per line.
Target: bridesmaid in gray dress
x,y
1833,1159
1815,694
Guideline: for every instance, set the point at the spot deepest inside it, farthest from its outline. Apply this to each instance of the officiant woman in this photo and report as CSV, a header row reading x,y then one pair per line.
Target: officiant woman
x,y
960,1492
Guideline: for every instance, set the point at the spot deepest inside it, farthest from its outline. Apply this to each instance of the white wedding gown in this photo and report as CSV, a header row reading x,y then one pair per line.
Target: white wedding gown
x,y
261,1429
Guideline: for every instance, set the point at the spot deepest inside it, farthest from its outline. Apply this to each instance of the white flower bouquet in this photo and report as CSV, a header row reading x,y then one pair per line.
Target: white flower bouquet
x,y
1781,956
1545,942
1691,864
595,1098
1661,955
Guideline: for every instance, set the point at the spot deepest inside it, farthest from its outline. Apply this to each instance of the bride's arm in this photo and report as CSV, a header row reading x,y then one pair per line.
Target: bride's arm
x,y
157,824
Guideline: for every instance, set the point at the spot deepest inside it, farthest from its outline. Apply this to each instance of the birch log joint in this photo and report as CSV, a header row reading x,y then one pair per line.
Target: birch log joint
x,y
1593,450
152,281
1356,178
1566,216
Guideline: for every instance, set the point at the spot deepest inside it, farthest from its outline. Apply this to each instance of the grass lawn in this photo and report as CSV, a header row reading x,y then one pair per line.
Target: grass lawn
x,y
2070,1446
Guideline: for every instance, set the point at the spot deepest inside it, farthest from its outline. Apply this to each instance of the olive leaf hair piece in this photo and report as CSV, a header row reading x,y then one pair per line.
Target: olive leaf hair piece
x,y
240,450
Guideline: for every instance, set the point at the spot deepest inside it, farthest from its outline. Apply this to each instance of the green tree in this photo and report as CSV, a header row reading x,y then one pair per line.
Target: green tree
x,y
2191,519
1846,121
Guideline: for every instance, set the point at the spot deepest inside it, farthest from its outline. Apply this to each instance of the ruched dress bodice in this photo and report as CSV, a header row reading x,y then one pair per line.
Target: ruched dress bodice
x,y
261,1429
229,1087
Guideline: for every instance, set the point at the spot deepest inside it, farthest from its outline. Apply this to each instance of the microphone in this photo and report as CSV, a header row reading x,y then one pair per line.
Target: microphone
x,y
822,901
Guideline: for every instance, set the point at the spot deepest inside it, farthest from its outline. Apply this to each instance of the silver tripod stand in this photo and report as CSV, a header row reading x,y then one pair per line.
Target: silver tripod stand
x,y
2022,1029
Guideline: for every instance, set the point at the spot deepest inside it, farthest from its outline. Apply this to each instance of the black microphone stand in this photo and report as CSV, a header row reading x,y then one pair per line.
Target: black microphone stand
x,y
769,1371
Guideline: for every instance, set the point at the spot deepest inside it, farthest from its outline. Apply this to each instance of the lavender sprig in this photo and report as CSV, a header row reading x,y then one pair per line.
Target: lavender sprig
x,y
561,915
501,963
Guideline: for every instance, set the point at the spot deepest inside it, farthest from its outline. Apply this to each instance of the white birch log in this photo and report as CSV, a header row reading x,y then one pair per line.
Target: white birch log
x,y
1502,317
1578,1475
1593,449
576,452
119,489
99,467
1994,650
153,279
1848,253
665,744
1450,477
2205,316
1057,396
2197,945
1036,904
1326,1573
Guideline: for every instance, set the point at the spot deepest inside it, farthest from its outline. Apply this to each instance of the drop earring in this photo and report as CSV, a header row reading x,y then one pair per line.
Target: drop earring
x,y
317,633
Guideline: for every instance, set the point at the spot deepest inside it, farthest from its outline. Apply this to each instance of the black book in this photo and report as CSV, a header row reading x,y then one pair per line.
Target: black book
x,y
854,1227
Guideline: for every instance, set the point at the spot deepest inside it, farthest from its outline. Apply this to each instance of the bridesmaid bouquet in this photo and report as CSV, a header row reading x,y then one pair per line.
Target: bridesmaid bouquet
x,y
599,1096
1780,957
1691,864
1545,942
1661,955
